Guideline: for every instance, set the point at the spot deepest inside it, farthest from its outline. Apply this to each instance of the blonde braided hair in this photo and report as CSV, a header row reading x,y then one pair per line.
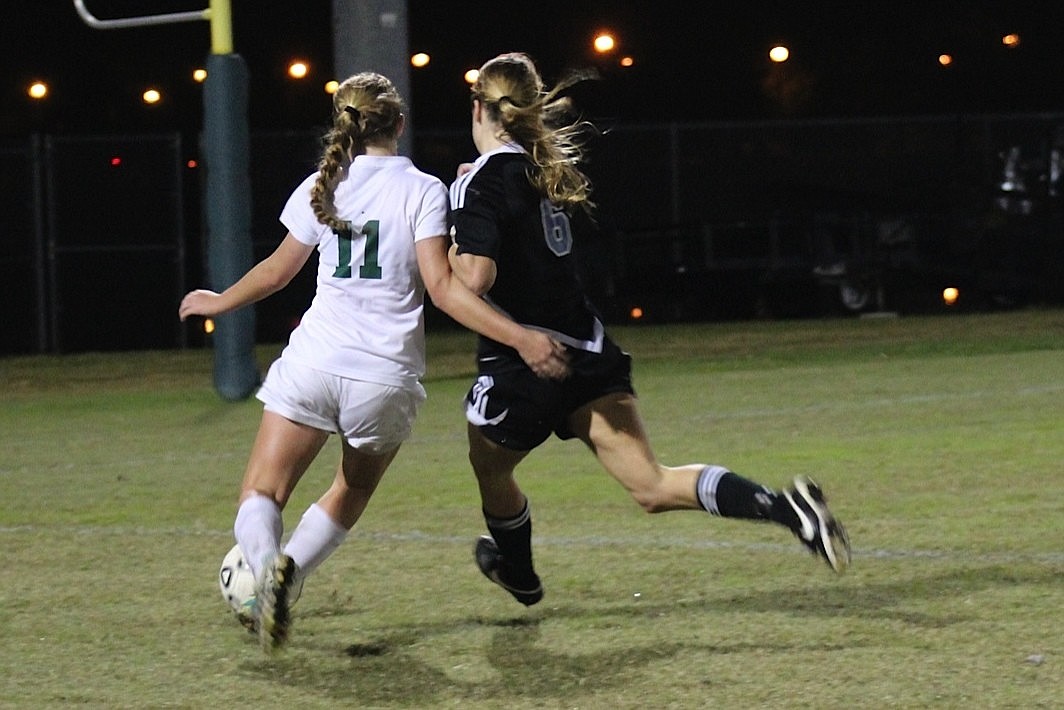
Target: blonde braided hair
x,y
368,111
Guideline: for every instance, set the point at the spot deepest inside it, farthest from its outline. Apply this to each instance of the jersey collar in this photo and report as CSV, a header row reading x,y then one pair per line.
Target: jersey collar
x,y
510,147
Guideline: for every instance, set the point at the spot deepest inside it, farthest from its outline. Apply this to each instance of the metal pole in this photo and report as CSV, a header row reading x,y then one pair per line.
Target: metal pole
x,y
226,141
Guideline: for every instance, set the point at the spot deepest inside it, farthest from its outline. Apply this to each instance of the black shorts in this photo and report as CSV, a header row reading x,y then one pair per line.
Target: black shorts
x,y
514,408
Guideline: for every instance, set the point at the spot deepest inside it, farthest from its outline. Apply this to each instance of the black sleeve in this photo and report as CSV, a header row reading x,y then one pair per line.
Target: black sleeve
x,y
476,223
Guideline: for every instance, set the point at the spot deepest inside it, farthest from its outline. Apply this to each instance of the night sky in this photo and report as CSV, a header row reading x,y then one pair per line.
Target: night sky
x,y
847,59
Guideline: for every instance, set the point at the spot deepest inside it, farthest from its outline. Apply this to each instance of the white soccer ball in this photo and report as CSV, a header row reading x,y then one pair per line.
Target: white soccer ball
x,y
237,582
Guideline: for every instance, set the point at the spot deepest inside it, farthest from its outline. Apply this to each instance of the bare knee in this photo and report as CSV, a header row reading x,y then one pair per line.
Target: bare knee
x,y
659,489
651,501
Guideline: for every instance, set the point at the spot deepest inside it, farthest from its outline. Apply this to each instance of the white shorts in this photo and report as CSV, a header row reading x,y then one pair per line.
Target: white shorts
x,y
370,416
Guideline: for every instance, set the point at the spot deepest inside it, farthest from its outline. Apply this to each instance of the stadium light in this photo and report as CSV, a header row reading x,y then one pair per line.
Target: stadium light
x,y
604,43
779,54
37,90
151,96
298,69
420,60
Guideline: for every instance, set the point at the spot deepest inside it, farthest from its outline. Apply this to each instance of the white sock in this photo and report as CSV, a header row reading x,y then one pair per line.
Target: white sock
x,y
315,538
258,529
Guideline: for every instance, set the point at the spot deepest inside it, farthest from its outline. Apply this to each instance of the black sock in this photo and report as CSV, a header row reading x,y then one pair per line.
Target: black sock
x,y
729,495
514,538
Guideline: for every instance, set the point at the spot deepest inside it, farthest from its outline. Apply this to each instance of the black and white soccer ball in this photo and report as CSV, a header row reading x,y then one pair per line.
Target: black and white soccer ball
x,y
237,583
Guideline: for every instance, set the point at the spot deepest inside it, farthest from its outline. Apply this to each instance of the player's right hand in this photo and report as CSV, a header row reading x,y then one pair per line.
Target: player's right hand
x,y
198,303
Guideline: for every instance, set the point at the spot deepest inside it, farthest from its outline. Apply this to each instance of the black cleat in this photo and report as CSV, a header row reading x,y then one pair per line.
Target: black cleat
x,y
817,528
492,565
274,594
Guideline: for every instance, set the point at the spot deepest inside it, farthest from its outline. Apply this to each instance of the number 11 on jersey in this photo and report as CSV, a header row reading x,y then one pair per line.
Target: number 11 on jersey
x,y
370,268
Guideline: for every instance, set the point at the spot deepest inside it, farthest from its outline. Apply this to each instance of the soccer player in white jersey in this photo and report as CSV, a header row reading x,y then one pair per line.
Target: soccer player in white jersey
x,y
353,365
513,243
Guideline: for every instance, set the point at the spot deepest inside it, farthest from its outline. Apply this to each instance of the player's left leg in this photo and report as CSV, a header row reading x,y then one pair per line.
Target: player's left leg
x,y
504,557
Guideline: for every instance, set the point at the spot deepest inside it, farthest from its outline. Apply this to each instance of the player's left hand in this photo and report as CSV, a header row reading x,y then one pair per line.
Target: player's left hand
x,y
545,356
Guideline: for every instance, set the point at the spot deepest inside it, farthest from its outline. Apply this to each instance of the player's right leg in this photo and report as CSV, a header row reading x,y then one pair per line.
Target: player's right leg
x,y
817,527
611,427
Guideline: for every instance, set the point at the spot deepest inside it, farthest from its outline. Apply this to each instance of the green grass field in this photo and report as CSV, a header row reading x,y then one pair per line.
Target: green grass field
x,y
939,441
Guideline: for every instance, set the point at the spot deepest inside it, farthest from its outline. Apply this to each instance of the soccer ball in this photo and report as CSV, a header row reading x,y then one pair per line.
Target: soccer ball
x,y
237,582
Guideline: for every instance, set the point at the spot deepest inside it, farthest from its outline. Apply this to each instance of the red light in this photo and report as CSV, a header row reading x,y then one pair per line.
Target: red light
x,y
116,161
192,164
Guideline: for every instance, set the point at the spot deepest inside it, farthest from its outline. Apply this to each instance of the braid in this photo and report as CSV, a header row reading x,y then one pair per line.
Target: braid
x,y
368,112
334,161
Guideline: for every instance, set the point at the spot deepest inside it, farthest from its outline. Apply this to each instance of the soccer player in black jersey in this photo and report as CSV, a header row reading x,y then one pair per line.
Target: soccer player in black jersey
x,y
513,244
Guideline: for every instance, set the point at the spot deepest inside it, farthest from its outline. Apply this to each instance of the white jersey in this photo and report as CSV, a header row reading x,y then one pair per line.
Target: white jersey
x,y
366,321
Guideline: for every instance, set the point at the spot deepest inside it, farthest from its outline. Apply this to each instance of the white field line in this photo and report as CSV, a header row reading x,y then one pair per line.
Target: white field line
x,y
626,542
623,542
884,402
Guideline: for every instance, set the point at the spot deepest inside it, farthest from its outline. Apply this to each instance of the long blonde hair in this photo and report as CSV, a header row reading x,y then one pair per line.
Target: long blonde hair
x,y
512,92
368,111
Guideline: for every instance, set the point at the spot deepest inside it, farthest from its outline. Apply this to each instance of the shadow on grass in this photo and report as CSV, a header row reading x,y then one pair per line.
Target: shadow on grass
x,y
386,669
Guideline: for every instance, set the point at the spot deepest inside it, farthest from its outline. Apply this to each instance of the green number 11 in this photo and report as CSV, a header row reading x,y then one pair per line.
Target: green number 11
x,y
370,268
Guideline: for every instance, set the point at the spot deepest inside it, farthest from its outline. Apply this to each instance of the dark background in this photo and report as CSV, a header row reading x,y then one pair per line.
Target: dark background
x,y
730,187
693,61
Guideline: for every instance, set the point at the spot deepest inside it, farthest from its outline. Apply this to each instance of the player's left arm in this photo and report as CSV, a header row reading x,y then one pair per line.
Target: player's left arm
x,y
475,271
544,355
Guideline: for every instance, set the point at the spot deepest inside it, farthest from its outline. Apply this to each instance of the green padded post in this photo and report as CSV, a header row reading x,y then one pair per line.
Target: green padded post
x,y
228,199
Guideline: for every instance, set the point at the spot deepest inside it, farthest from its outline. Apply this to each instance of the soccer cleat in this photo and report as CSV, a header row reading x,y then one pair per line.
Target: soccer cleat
x,y
817,528
248,616
492,565
273,596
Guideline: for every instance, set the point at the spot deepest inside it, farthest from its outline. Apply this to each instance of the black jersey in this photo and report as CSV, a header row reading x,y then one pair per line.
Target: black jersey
x,y
497,213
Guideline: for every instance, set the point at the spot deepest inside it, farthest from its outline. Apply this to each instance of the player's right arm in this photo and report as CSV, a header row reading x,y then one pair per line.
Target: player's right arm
x,y
267,277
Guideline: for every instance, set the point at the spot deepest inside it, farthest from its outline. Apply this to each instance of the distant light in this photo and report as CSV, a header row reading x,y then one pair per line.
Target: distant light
x,y
37,90
199,75
636,313
298,70
471,76
945,59
627,62
192,164
208,326
420,60
1011,40
779,54
950,295
152,96
116,161
604,42
331,86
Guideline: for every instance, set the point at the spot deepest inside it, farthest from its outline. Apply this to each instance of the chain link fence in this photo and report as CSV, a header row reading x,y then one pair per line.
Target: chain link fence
x,y
694,222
